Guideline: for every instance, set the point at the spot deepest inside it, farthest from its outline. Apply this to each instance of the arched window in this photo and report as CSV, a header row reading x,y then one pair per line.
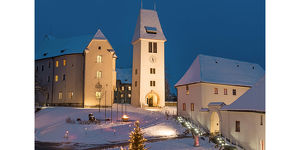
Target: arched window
x,y
99,59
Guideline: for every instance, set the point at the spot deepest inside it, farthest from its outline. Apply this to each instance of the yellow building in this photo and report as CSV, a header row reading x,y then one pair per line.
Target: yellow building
x,y
148,65
70,71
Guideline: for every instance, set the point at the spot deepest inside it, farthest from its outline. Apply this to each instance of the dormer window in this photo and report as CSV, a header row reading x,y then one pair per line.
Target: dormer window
x,y
45,54
237,65
253,67
62,50
151,30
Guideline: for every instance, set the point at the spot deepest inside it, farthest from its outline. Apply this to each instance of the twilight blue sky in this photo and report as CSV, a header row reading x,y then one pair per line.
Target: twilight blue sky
x,y
225,28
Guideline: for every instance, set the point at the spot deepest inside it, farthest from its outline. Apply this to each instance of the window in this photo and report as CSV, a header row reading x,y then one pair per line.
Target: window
x,y
99,74
56,64
49,65
234,92
237,126
42,67
152,70
154,47
47,96
183,107
60,95
64,62
152,83
151,30
187,90
129,95
64,77
135,71
56,78
123,88
129,88
48,79
216,90
192,106
37,68
135,83
261,119
98,95
225,91
150,47
99,59
122,95
99,47
70,95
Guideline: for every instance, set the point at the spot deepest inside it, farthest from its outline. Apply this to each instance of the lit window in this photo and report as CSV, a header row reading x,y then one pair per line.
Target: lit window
x,y
192,106
56,78
237,126
122,95
135,83
56,63
99,74
129,95
187,90
122,88
216,90
64,62
129,88
60,95
154,47
234,92
150,47
99,59
98,95
225,91
64,77
70,95
183,107
152,83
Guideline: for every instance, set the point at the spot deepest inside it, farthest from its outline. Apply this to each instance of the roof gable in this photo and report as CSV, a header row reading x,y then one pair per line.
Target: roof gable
x,y
221,71
253,99
148,26
52,47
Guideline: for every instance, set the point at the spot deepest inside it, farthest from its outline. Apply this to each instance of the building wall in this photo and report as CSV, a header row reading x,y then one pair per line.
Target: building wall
x,y
141,61
73,71
42,77
252,133
123,95
107,67
201,94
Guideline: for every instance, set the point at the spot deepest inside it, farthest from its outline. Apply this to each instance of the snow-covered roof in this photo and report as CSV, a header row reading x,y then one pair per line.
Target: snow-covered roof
x,y
148,21
252,100
221,71
52,47
124,74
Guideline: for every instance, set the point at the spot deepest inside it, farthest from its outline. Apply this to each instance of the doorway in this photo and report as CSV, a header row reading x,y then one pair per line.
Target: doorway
x,y
214,123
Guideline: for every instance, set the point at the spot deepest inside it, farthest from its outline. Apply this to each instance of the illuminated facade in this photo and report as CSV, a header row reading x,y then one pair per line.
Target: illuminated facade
x,y
148,66
69,70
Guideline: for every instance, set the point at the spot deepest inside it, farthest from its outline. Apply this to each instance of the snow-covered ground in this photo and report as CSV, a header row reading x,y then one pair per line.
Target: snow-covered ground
x,y
50,126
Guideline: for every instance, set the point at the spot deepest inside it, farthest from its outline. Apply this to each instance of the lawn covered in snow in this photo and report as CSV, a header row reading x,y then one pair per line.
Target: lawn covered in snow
x,y
50,125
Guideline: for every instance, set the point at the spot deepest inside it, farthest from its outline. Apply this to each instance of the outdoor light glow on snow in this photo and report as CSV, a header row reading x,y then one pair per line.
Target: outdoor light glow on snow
x,y
162,129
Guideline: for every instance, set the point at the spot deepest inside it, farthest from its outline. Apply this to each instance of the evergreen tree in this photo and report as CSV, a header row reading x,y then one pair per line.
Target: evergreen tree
x,y
136,138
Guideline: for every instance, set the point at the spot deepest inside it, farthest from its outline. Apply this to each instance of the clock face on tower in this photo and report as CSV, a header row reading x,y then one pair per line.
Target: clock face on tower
x,y
152,59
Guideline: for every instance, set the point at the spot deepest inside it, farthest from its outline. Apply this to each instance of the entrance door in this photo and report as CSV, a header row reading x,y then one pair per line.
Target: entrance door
x,y
214,123
151,102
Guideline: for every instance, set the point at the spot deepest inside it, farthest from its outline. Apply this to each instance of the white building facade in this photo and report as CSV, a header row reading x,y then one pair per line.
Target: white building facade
x,y
148,65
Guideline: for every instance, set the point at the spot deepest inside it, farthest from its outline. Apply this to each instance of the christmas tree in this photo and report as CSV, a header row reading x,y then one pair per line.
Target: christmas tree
x,y
136,138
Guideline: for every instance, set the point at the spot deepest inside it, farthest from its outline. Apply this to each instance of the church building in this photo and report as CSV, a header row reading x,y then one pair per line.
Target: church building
x,y
148,65
76,71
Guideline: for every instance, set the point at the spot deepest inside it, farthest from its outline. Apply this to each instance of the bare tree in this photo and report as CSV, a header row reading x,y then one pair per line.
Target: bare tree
x,y
40,88
99,95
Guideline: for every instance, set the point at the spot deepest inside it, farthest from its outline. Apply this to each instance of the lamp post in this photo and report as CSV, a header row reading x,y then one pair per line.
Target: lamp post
x,y
105,101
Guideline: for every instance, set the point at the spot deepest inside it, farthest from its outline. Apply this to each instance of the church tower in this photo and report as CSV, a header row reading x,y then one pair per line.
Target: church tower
x,y
148,65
